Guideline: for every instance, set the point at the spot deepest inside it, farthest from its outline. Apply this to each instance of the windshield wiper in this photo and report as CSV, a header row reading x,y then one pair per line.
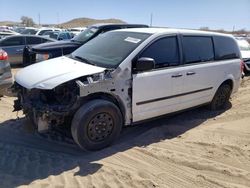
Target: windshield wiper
x,y
84,60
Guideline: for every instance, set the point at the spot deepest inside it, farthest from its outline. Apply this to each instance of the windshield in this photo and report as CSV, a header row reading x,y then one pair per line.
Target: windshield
x,y
109,49
85,35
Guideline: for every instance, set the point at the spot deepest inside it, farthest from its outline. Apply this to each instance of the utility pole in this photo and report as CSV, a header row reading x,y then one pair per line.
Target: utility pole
x,y
58,19
151,19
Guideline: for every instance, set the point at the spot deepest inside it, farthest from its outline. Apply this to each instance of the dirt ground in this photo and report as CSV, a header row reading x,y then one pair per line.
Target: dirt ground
x,y
197,148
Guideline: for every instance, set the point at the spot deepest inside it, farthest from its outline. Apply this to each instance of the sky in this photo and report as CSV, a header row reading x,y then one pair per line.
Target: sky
x,y
193,14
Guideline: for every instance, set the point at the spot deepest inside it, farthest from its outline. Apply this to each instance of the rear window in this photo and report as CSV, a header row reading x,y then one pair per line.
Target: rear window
x,y
198,49
226,48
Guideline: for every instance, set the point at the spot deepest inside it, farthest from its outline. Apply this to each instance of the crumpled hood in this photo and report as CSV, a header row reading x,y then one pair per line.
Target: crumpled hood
x,y
58,45
53,72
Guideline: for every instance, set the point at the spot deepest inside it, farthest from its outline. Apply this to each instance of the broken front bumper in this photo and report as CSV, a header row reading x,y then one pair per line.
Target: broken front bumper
x,y
43,108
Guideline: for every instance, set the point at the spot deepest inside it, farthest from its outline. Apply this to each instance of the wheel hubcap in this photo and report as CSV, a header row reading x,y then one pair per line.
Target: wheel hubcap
x,y
100,127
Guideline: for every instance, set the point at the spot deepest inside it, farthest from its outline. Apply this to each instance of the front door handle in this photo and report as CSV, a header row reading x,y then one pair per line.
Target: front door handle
x,y
177,75
190,73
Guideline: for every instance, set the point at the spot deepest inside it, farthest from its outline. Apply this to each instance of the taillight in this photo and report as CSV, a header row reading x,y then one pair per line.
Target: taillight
x,y
3,55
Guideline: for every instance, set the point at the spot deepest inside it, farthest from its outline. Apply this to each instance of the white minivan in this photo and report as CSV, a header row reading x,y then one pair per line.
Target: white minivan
x,y
126,76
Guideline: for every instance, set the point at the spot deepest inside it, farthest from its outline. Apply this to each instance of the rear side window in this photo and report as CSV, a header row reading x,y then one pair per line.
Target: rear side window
x,y
33,40
14,41
164,51
198,49
225,48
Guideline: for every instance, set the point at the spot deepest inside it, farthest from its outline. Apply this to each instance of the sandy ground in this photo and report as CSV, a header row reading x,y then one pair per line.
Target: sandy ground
x,y
197,148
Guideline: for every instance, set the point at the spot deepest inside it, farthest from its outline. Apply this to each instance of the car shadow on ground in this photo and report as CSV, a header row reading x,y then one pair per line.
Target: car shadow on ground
x,y
26,156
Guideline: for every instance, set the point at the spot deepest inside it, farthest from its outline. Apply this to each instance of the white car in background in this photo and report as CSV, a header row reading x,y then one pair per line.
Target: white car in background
x,y
38,31
76,30
42,30
245,52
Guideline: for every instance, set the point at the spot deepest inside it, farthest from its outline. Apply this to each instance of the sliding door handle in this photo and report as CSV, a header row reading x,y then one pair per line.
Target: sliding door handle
x,y
190,73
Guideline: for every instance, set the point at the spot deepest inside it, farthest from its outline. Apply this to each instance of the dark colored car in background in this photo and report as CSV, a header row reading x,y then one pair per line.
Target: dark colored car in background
x,y
16,44
55,49
5,73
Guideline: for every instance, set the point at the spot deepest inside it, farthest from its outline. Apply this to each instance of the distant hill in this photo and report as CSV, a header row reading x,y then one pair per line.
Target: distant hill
x,y
78,22
8,23
82,22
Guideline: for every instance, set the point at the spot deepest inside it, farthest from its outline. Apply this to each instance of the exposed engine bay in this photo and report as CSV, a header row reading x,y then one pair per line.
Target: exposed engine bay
x,y
50,106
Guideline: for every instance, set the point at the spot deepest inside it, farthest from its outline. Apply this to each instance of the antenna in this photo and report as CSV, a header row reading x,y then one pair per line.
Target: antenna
x,y
39,19
151,19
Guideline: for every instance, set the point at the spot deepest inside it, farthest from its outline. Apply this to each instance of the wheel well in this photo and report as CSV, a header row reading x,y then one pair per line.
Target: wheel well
x,y
108,97
229,82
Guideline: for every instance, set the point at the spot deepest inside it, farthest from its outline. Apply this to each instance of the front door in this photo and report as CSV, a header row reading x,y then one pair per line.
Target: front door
x,y
155,92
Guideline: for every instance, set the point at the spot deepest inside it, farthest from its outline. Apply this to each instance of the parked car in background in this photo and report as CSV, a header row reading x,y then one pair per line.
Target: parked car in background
x,y
29,31
41,31
245,53
6,32
19,29
46,51
76,30
5,73
126,76
58,35
15,45
38,31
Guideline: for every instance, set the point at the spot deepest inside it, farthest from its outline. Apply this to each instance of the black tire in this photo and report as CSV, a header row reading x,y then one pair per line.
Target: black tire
x,y
221,97
96,124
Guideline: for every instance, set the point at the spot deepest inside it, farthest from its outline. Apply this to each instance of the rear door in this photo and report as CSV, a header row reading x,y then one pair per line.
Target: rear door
x,y
155,92
14,47
201,72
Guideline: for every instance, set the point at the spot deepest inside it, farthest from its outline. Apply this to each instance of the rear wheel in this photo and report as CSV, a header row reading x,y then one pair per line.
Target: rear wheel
x,y
96,124
221,97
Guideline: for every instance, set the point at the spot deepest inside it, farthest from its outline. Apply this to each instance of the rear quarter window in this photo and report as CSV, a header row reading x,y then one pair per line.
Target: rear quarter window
x,y
226,48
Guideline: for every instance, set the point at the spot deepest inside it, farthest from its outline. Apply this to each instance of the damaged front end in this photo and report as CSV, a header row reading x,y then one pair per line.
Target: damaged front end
x,y
46,108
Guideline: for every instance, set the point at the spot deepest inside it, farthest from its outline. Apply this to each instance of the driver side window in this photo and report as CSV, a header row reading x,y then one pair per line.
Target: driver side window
x,y
164,51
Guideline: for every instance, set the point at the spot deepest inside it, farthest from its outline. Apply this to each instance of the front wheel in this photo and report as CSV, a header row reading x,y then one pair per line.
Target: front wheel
x,y
96,124
221,97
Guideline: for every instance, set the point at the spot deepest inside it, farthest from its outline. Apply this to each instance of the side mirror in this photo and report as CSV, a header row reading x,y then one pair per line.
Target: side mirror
x,y
144,64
